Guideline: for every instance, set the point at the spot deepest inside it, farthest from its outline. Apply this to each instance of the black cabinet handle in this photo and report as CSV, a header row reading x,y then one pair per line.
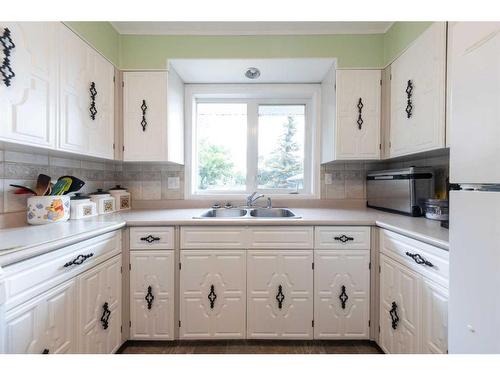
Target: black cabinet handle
x,y
79,259
149,297
343,238
105,315
212,296
144,123
360,118
409,104
7,45
343,296
150,239
280,297
419,259
46,351
93,94
393,312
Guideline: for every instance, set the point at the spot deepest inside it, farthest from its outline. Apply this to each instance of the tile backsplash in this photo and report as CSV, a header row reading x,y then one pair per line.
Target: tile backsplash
x,y
161,181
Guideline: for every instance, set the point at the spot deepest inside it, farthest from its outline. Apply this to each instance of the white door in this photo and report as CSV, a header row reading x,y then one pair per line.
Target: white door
x,y
152,295
341,294
434,318
74,92
474,313
28,104
101,128
212,294
358,114
474,79
145,116
99,308
45,324
399,308
418,94
280,294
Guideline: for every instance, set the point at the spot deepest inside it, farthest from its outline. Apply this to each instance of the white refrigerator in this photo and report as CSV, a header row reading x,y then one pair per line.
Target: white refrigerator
x,y
474,121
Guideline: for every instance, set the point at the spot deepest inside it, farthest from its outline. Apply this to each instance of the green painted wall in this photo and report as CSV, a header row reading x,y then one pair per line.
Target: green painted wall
x,y
152,52
102,36
399,36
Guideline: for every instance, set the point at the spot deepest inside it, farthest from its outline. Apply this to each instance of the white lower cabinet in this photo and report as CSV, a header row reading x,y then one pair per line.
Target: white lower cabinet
x,y
152,295
212,294
99,308
280,294
341,294
45,324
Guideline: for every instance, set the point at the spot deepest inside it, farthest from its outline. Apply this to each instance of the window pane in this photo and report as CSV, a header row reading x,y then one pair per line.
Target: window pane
x,y
221,146
281,147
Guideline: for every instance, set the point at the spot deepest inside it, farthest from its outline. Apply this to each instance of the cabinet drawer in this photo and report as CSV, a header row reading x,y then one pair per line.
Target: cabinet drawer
x,y
31,277
213,237
151,238
280,238
342,238
414,254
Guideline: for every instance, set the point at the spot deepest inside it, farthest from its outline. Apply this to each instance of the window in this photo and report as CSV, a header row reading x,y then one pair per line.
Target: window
x,y
246,138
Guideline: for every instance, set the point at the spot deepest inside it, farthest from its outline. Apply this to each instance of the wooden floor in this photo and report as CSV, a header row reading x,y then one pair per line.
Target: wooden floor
x,y
250,347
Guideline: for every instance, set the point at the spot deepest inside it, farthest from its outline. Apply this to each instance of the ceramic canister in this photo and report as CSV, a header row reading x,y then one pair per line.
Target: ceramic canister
x,y
104,201
82,207
48,209
122,197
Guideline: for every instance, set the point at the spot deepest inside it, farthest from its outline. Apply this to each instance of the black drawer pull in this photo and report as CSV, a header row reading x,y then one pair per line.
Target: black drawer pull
x,y
105,315
394,315
409,104
419,259
79,259
149,297
212,296
46,351
360,118
150,239
93,94
280,297
343,238
7,46
343,296
144,123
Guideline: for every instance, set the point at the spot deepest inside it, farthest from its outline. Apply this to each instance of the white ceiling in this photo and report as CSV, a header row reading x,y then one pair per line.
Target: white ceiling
x,y
250,28
233,70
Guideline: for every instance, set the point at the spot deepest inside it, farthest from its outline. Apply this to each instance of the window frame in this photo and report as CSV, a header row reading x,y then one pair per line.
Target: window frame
x,y
255,95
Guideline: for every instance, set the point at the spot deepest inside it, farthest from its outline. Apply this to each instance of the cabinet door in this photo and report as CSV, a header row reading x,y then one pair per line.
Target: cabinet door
x,y
45,324
399,308
474,80
212,293
99,308
28,105
152,295
421,127
280,294
74,86
101,129
145,131
434,318
358,114
341,294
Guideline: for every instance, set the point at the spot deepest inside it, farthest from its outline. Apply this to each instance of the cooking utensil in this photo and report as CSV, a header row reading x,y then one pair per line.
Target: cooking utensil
x,y
76,184
42,184
25,189
61,186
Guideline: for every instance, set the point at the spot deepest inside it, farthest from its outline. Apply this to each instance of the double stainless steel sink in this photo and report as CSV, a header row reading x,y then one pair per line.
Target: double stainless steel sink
x,y
246,213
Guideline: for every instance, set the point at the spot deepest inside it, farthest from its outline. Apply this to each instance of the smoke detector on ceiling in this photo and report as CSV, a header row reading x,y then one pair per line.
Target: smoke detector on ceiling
x,y
252,73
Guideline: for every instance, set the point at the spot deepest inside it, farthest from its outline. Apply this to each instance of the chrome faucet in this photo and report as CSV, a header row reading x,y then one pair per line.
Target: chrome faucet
x,y
252,198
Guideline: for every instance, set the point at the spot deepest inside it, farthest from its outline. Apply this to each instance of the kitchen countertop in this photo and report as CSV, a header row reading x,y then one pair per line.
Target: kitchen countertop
x,y
27,241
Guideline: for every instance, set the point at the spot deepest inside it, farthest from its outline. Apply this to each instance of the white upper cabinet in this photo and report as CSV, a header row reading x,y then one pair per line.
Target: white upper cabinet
x,y
357,131
28,99
418,94
153,118
83,70
474,101
350,112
